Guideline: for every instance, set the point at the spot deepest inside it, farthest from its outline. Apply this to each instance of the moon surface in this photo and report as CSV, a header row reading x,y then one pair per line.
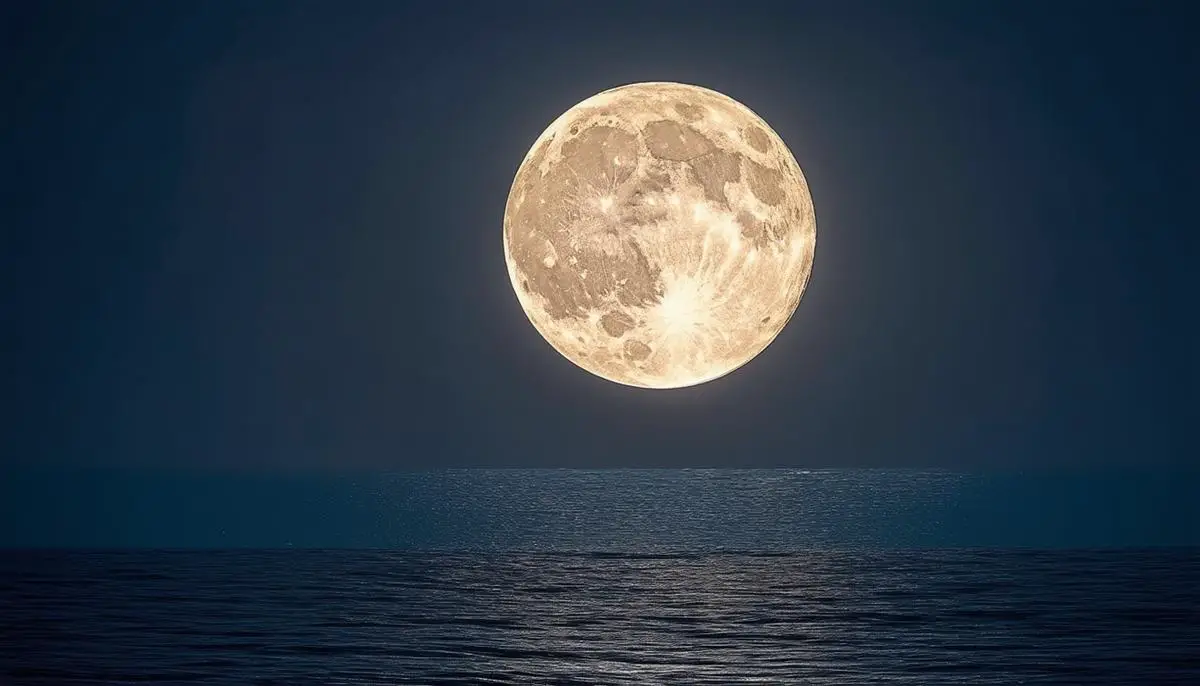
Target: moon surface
x,y
659,235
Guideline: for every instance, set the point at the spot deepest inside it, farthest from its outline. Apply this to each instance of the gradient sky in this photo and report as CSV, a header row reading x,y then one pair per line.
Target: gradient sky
x,y
267,235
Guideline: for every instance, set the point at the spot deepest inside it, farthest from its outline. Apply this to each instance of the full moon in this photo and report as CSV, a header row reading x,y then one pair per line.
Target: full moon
x,y
659,235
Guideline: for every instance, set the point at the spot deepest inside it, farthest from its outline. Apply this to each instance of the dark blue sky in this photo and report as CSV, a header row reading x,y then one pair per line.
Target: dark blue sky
x,y
266,235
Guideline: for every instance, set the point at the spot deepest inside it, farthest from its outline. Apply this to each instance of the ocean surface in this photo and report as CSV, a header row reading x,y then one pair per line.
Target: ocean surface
x,y
568,577
379,617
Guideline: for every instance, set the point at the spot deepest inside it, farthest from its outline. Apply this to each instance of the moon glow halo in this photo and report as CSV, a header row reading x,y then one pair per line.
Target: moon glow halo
x,y
659,235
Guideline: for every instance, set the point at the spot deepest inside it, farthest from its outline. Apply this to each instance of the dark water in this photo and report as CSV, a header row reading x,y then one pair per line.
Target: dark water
x,y
596,577
376,617
555,510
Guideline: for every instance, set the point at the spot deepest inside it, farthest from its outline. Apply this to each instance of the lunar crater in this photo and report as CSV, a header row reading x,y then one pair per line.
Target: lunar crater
x,y
659,235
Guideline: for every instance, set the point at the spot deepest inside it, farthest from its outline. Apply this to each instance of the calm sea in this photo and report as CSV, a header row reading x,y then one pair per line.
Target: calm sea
x,y
638,577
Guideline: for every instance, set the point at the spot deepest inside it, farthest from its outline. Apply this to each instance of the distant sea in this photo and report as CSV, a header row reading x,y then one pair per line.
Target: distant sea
x,y
576,577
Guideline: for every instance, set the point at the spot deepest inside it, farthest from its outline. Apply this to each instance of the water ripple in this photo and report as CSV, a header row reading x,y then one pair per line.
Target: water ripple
x,y
370,617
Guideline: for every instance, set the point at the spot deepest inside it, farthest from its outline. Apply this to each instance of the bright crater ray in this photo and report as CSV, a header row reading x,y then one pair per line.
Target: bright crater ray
x,y
659,235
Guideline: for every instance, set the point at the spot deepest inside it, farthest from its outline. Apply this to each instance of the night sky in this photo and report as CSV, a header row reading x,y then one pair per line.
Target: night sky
x,y
266,236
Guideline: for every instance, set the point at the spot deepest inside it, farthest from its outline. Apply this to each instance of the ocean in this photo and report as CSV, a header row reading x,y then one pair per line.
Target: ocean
x,y
633,577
